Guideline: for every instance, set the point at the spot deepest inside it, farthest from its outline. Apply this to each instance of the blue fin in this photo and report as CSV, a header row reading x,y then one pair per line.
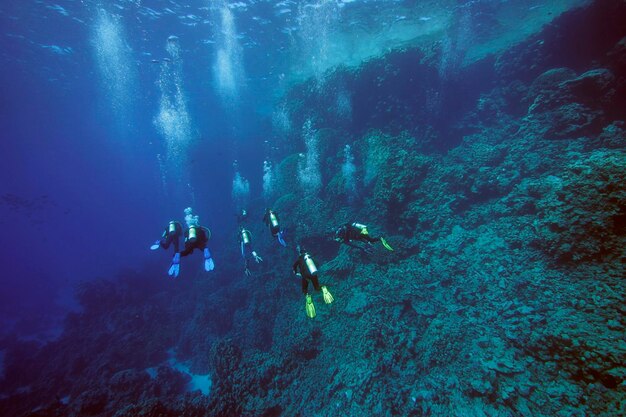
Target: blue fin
x,y
175,266
174,270
209,265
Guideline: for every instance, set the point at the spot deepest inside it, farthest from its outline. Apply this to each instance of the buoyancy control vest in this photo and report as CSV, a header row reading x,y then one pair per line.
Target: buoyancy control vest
x,y
361,227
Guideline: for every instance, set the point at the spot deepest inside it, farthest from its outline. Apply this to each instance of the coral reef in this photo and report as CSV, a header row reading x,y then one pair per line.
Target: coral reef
x,y
504,295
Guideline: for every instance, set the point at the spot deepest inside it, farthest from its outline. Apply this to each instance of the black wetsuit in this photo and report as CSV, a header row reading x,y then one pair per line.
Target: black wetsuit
x,y
246,246
267,219
198,242
350,231
242,216
301,267
171,237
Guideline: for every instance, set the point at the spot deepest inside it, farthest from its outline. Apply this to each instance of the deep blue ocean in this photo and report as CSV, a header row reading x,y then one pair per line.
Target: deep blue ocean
x,y
484,139
84,186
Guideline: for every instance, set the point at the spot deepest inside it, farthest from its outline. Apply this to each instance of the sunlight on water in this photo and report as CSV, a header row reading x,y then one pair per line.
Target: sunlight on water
x,y
316,22
228,68
173,120
115,64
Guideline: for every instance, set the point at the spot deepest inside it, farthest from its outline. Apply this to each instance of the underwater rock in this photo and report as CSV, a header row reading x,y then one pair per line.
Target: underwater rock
x,y
226,358
129,381
563,105
91,402
357,304
592,224
341,265
596,85
613,136
170,382
392,171
548,83
618,54
571,120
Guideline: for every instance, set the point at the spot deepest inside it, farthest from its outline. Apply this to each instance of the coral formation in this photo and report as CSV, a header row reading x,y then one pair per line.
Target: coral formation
x,y
504,296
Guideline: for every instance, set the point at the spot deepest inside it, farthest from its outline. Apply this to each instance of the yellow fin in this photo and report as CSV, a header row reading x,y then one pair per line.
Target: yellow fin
x,y
385,244
310,308
328,297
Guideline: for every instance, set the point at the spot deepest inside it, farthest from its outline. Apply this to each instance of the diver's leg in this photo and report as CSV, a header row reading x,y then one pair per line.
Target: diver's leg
x,y
316,283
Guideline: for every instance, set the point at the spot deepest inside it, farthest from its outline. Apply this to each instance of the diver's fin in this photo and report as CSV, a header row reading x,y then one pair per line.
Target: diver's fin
x,y
310,308
175,266
280,239
209,265
156,245
385,244
174,270
328,297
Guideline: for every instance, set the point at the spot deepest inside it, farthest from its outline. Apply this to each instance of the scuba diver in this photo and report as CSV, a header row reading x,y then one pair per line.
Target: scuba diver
x,y
171,235
271,220
242,216
245,240
350,232
306,269
197,237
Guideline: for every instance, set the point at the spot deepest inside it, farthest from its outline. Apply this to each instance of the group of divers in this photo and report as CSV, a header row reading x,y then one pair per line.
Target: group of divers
x,y
354,234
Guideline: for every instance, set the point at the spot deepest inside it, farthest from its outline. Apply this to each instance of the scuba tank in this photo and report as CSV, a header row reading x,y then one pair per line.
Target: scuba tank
x,y
245,236
192,233
172,228
361,227
273,219
310,265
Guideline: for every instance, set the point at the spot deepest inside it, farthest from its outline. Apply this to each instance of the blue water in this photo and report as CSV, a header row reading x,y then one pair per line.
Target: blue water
x,y
115,116
82,190
95,163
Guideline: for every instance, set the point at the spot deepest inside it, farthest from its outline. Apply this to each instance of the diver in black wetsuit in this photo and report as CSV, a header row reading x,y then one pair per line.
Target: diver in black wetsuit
x,y
245,241
305,268
271,220
350,232
197,237
242,216
171,235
